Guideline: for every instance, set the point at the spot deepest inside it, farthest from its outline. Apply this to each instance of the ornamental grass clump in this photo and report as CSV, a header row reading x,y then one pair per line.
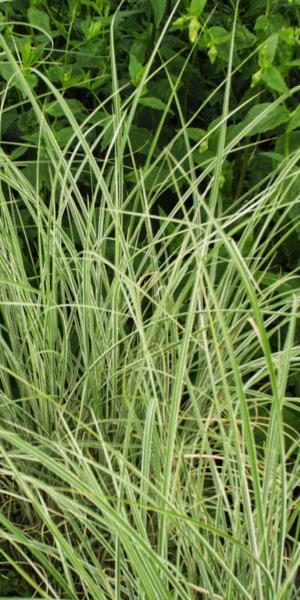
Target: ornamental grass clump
x,y
147,443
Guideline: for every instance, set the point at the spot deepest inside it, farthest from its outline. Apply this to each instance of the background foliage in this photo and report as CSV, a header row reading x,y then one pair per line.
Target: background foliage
x,y
69,41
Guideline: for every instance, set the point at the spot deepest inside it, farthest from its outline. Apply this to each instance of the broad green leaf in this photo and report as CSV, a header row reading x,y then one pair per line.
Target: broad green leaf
x,y
287,34
94,29
136,70
271,156
31,79
8,121
195,133
137,57
267,53
262,25
295,120
267,26
274,80
219,35
181,22
32,138
154,103
18,152
40,19
64,135
139,139
288,144
243,37
56,110
271,119
292,63
159,8
7,72
138,49
197,7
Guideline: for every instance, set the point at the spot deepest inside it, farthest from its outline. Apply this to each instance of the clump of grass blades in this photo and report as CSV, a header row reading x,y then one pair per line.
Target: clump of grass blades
x,y
144,363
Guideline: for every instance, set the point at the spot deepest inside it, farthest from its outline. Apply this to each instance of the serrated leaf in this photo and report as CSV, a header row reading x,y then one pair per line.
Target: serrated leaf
x,y
274,80
31,79
64,135
273,117
6,71
159,8
8,121
38,18
295,120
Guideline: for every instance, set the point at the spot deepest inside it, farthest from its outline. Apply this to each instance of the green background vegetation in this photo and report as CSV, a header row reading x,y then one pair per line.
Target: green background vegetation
x,y
149,318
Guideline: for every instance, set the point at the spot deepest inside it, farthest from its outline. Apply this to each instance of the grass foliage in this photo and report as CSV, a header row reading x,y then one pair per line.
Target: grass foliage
x,y
148,437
